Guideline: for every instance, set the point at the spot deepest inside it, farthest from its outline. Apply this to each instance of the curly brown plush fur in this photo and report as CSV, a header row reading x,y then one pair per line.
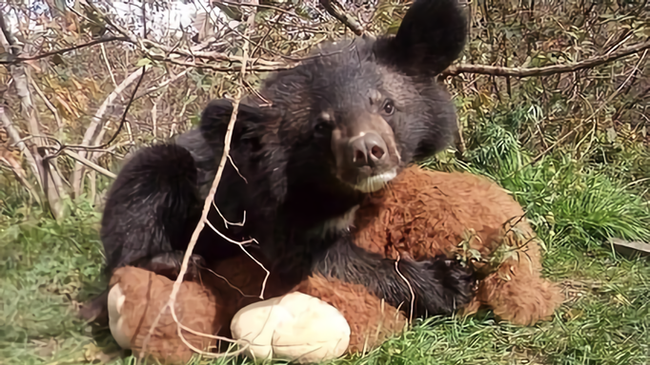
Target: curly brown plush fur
x,y
424,213
371,319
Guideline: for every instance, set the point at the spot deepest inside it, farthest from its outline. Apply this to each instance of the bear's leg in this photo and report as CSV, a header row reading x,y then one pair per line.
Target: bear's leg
x,y
440,284
151,210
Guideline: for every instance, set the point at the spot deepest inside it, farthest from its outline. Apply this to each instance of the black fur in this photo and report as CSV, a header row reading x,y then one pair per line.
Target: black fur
x,y
439,284
286,152
150,205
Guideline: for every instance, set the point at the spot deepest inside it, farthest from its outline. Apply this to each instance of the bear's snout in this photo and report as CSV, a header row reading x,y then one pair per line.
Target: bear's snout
x,y
368,149
365,151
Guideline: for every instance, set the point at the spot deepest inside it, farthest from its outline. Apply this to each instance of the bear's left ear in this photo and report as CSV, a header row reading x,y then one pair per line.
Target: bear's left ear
x,y
430,38
216,117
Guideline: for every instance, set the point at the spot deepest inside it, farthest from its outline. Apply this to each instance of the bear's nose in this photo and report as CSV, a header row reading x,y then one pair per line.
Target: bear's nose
x,y
367,149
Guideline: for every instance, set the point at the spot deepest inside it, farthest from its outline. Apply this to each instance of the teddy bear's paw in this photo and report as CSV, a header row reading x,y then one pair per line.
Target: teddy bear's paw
x,y
295,327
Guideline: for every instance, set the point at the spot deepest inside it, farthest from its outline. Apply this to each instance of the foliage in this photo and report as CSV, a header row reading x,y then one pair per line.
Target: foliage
x,y
562,195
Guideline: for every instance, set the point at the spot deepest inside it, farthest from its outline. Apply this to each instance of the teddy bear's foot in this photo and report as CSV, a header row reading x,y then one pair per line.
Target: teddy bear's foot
x,y
519,296
527,306
295,327
167,264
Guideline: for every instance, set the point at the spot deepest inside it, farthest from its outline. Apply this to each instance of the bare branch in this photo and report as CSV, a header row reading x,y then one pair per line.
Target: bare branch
x,y
582,124
95,123
195,235
47,102
90,164
20,175
335,9
220,67
207,204
19,59
163,84
547,70
15,138
108,66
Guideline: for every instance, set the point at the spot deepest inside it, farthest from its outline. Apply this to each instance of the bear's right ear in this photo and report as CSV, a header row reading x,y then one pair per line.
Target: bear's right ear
x,y
430,38
216,117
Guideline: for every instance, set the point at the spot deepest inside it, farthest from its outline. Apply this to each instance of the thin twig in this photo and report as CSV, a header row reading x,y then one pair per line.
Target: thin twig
x,y
409,285
584,122
197,231
546,70
47,102
90,164
227,222
19,59
199,228
241,245
108,65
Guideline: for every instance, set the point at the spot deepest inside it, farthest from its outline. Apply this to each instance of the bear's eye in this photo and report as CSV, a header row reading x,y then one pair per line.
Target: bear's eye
x,y
389,107
323,124
322,129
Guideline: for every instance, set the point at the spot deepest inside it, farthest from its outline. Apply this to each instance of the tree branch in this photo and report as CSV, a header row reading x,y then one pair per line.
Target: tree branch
x,y
335,9
90,164
15,138
55,113
18,59
547,70
96,122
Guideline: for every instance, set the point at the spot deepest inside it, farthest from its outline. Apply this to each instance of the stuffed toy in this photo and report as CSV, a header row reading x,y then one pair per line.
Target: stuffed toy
x,y
427,213
419,214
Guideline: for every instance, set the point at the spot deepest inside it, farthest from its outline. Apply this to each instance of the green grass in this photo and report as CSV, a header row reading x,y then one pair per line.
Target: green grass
x,y
575,205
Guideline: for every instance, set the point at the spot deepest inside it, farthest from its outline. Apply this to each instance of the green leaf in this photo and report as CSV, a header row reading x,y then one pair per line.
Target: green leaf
x,y
143,62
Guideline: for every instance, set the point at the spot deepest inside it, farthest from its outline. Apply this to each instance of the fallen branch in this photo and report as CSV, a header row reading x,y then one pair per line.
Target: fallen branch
x,y
190,247
207,204
546,70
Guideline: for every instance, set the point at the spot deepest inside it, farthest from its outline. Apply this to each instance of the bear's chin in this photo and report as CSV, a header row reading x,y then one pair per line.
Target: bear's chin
x,y
375,183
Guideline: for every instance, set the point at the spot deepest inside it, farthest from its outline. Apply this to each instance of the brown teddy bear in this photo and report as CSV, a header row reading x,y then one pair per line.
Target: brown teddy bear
x,y
419,214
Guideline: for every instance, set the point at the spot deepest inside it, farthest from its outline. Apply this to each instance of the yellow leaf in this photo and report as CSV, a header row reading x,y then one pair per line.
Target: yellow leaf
x,y
76,84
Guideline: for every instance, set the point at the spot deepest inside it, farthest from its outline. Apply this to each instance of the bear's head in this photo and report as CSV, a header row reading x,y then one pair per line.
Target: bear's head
x,y
355,113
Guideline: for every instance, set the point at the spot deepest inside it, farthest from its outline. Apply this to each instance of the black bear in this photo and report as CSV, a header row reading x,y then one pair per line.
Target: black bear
x,y
338,126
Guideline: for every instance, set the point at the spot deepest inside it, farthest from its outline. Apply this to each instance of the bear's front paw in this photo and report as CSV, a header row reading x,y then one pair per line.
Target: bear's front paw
x,y
452,286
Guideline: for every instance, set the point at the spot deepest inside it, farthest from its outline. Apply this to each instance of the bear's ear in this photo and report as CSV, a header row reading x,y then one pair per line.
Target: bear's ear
x,y
216,117
430,38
